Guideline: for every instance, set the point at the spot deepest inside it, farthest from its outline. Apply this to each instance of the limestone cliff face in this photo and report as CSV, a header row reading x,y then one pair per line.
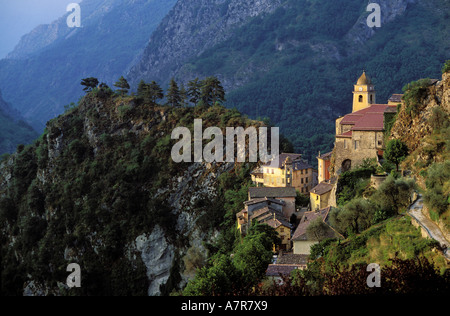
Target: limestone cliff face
x,y
191,28
414,130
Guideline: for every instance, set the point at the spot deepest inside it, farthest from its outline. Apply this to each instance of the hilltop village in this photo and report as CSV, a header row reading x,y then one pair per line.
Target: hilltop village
x,y
359,137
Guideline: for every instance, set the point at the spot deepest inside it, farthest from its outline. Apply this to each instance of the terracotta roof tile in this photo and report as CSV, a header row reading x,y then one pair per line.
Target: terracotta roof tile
x,y
322,188
368,119
307,219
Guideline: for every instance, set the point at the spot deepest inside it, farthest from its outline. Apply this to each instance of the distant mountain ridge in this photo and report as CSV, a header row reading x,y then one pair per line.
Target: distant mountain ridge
x,y
190,29
13,129
44,71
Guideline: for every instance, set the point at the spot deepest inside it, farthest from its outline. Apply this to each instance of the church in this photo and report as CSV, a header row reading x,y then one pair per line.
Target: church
x,y
360,134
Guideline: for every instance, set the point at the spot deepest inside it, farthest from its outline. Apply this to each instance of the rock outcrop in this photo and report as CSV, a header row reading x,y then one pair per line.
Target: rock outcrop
x,y
99,189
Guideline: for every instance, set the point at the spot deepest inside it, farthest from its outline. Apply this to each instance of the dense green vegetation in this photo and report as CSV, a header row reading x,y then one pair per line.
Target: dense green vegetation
x,y
100,190
225,275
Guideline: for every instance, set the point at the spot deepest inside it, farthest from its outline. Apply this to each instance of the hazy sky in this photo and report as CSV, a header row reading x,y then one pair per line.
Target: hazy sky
x,y
19,17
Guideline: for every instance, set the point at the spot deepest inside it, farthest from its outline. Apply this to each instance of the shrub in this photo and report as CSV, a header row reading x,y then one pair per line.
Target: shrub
x,y
414,94
446,67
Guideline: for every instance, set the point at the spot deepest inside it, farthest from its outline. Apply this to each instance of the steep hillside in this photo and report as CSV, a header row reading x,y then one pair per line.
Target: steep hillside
x,y
44,71
99,188
13,129
298,56
423,124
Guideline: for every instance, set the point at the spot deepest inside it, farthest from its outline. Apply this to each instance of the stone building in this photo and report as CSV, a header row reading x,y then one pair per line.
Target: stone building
x,y
360,134
290,170
267,211
324,163
287,195
320,195
301,241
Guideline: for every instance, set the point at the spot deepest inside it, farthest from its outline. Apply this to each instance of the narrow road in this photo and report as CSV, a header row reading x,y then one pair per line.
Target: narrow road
x,y
431,228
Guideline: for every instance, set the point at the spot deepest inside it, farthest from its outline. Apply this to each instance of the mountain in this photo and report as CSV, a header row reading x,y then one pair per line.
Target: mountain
x,y
190,29
278,59
99,188
44,71
13,129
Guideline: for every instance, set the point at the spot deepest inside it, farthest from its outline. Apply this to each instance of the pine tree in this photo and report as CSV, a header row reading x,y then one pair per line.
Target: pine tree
x,y
141,89
153,92
173,94
183,95
212,91
194,90
123,86
89,83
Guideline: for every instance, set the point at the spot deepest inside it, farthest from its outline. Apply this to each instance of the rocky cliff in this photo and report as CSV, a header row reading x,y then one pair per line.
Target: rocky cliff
x,y
423,124
99,188
416,128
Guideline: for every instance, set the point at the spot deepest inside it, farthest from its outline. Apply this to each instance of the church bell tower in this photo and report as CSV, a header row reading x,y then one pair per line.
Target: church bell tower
x,y
364,93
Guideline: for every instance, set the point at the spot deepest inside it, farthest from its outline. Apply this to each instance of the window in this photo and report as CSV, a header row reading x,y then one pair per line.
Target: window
x,y
371,98
302,181
306,180
345,143
356,144
361,98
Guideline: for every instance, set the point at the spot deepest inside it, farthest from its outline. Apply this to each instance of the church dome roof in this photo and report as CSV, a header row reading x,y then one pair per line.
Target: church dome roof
x,y
364,80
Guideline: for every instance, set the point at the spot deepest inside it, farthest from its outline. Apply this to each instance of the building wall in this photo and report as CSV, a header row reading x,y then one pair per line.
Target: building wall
x,y
324,167
362,145
274,177
319,202
289,208
303,247
301,179
258,181
338,125
285,235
